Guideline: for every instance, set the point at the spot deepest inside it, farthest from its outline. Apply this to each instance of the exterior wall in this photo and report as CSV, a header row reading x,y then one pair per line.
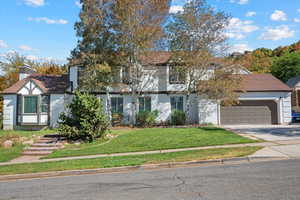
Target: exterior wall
x,y
28,85
9,111
73,76
57,106
208,111
160,102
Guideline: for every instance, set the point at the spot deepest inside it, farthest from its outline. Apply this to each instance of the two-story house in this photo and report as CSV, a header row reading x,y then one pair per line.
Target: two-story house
x,y
37,100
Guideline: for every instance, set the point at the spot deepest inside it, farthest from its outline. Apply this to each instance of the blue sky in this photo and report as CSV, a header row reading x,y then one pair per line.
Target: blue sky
x,y
43,29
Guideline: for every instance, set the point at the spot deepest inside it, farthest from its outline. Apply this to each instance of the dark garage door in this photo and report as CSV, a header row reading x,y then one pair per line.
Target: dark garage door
x,y
250,112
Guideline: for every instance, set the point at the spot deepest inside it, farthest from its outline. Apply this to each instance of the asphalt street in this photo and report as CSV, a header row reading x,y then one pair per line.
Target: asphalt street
x,y
273,180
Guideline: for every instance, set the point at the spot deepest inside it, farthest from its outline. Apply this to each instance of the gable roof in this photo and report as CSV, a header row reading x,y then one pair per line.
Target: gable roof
x,y
56,84
263,83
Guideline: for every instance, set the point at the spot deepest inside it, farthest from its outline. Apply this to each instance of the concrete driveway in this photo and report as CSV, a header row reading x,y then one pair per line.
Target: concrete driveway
x,y
269,132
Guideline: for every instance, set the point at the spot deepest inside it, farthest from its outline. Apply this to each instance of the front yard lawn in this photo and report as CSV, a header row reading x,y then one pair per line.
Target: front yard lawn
x,y
11,153
128,160
154,139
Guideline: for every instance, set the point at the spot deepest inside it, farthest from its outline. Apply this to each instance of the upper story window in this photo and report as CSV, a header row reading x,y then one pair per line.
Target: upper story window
x,y
176,75
177,103
126,76
145,104
117,105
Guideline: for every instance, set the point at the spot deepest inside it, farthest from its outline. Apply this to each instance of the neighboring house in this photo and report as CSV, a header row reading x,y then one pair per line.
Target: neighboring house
x,y
294,83
37,100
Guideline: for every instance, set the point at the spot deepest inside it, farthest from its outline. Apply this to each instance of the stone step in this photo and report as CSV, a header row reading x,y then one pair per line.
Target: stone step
x,y
46,141
41,148
47,145
36,153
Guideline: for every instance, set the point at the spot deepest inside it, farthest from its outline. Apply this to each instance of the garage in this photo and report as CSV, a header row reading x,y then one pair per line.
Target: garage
x,y
250,112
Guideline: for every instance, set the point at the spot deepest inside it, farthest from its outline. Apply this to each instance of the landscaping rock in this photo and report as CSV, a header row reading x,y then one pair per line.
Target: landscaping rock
x,y
28,142
8,144
77,143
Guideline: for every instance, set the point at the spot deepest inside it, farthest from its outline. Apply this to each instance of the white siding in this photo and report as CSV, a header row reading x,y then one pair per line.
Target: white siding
x,y
73,76
208,111
57,106
25,89
9,111
30,119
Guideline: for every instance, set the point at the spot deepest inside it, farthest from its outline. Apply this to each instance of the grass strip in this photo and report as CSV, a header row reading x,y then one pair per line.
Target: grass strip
x,y
119,161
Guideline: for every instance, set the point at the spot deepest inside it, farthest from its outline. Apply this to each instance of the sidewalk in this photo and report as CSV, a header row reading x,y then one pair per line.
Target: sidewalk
x,y
258,154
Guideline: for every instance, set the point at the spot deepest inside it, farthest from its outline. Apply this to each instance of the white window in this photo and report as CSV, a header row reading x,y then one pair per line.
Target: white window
x,y
177,103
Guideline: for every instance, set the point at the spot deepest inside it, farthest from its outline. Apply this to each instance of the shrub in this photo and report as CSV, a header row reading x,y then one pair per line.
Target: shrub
x,y
146,118
178,117
85,120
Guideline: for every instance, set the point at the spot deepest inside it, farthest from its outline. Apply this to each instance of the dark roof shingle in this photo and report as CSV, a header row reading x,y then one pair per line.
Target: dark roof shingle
x,y
263,83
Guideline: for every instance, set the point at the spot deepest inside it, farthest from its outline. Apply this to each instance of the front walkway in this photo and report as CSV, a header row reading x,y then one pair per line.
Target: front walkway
x,y
276,148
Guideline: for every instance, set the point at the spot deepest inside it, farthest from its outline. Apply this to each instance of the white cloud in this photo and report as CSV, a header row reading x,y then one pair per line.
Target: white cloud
x,y
277,33
297,20
25,48
240,48
3,44
47,20
241,2
238,29
176,9
278,15
35,3
250,14
298,10
77,3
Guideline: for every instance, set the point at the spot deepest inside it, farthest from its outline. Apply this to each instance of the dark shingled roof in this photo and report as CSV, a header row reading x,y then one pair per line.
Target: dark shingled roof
x,y
55,84
263,83
293,81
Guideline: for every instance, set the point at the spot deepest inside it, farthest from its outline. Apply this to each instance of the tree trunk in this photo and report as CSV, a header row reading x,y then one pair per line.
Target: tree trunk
x,y
188,105
108,106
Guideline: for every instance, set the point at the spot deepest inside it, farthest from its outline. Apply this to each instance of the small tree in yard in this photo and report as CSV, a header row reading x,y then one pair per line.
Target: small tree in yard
x,y
85,120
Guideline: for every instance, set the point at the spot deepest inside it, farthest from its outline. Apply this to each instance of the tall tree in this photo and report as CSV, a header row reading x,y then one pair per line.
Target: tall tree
x,y
286,66
196,36
139,26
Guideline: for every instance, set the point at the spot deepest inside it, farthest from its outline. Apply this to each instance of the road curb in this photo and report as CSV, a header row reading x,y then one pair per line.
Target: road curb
x,y
134,168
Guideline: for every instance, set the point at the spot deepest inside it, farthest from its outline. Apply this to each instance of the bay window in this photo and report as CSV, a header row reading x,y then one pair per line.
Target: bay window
x,y
30,104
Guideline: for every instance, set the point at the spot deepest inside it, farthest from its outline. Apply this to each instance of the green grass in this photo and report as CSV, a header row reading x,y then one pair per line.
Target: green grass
x,y
14,135
127,160
27,133
154,139
11,153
